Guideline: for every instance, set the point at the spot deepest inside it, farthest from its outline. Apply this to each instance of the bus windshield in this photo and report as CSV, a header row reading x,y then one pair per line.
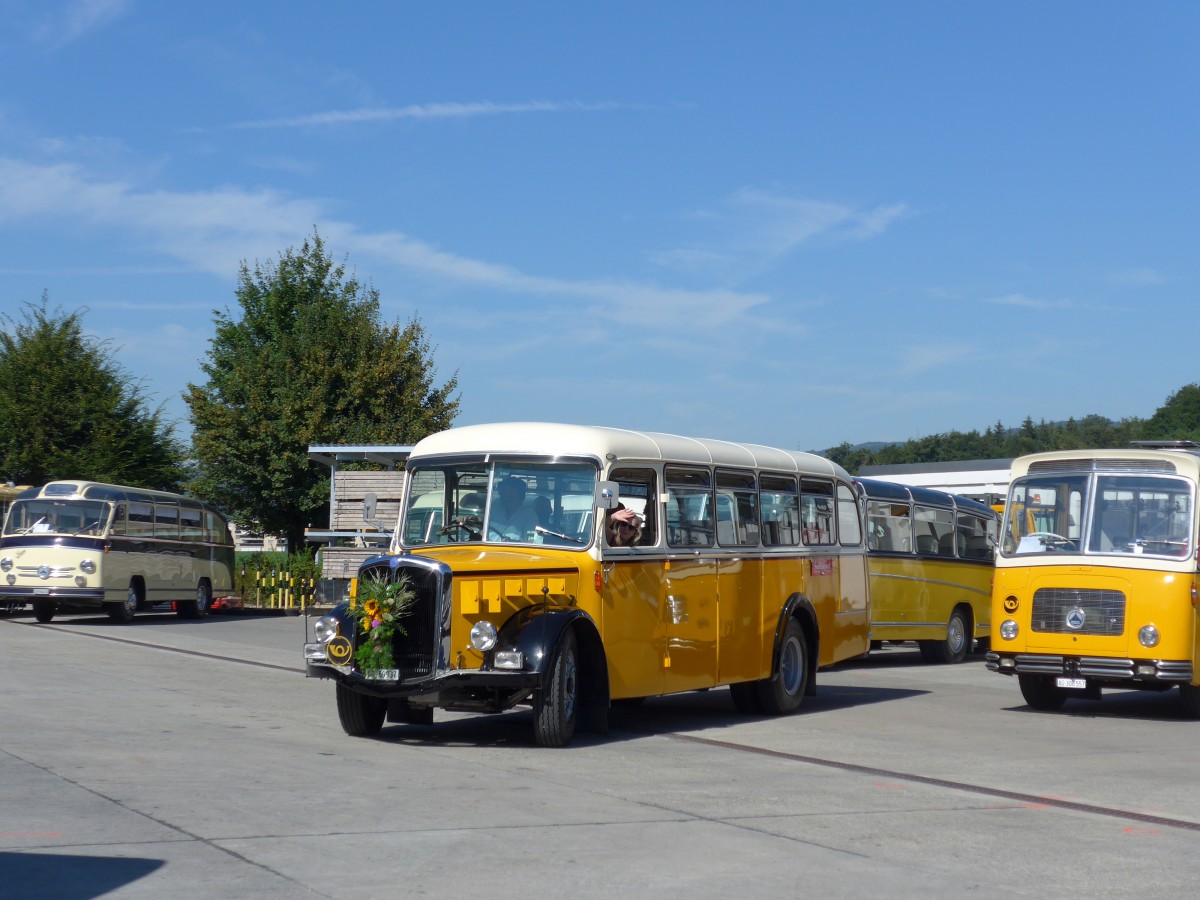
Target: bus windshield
x,y
47,516
500,502
1102,514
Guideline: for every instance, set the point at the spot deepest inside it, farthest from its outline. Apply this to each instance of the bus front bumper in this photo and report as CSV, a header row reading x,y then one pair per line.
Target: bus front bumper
x,y
1099,668
78,596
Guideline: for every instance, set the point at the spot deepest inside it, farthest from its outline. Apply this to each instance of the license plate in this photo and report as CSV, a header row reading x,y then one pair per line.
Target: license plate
x,y
1077,684
383,674
41,591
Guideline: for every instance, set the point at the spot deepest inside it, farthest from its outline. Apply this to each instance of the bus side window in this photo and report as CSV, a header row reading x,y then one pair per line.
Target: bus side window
x,y
689,507
817,512
637,491
780,502
849,517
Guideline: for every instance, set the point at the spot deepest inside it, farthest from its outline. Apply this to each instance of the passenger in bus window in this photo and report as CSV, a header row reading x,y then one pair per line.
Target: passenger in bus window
x,y
624,527
543,509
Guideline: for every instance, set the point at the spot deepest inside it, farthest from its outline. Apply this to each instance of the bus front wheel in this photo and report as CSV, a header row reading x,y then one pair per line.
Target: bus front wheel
x,y
555,705
360,715
1040,692
43,610
954,647
123,612
785,692
1189,696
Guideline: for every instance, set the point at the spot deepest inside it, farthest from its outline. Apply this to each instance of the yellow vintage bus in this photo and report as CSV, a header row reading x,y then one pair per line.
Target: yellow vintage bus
x,y
749,572
930,556
1096,575
86,545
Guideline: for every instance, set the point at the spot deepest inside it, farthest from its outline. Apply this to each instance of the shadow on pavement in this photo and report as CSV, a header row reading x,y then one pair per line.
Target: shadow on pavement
x,y
67,877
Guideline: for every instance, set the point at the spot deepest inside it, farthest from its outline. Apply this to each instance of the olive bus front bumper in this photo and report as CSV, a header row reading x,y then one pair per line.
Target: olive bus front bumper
x,y
30,594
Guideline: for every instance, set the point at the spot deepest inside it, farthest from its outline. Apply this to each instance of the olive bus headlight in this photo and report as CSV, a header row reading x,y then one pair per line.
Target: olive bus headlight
x,y
1008,629
1148,636
483,636
325,629
88,567
5,564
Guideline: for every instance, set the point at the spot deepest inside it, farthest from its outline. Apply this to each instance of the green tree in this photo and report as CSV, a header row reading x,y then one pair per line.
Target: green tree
x,y
68,410
307,362
1178,418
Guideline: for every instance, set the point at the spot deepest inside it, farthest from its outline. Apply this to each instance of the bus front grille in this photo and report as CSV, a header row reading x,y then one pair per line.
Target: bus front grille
x,y
1078,611
415,651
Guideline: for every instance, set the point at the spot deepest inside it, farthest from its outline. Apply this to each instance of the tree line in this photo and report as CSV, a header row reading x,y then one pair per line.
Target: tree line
x,y
1177,419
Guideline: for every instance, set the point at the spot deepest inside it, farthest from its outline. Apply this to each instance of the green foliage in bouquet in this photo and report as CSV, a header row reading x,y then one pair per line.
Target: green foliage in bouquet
x,y
378,606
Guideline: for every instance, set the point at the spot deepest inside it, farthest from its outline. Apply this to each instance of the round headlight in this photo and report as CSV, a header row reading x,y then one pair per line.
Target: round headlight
x,y
325,629
1008,629
483,636
5,564
88,567
1148,636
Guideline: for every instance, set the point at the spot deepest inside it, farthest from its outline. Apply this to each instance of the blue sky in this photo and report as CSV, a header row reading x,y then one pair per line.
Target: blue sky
x,y
790,223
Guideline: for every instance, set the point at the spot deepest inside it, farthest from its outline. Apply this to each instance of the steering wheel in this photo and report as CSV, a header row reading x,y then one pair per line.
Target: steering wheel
x,y
1050,536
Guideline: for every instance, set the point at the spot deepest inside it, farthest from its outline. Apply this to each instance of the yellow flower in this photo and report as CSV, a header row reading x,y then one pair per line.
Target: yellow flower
x,y
371,609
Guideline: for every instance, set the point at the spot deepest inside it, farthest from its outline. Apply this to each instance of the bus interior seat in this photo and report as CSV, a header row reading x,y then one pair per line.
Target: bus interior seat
x,y
927,543
977,548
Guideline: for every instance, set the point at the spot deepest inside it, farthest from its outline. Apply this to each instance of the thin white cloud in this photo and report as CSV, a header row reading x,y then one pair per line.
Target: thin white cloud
x,y
1025,302
1137,277
923,357
79,19
215,230
755,228
426,111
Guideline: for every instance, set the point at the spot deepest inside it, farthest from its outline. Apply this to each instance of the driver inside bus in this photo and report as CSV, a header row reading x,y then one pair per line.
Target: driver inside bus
x,y
510,519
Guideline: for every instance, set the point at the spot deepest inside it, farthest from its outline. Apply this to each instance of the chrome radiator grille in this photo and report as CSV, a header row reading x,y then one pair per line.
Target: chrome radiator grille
x,y
1078,611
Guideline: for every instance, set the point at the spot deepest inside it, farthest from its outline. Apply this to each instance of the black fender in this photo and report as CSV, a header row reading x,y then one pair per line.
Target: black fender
x,y
538,631
799,607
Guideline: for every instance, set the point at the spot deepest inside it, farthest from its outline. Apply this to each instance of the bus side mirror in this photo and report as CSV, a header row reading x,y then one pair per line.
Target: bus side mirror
x,y
369,503
608,495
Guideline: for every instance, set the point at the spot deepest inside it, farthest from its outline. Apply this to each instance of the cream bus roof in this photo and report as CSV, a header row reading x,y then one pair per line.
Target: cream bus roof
x,y
520,438
1133,460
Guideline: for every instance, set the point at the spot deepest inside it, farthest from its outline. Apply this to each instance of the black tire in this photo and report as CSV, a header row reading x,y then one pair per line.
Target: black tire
x,y
953,648
43,610
1041,693
745,698
556,706
123,612
360,715
1189,698
784,691
198,608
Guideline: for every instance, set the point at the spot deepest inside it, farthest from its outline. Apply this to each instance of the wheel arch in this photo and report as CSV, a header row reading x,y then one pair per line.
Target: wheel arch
x,y
538,633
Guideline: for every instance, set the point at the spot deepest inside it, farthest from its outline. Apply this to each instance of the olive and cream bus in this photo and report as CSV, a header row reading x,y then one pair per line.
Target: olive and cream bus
x,y
86,545
1096,574
929,554
749,572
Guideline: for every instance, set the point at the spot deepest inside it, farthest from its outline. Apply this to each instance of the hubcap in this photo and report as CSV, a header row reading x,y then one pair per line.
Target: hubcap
x,y
957,636
791,666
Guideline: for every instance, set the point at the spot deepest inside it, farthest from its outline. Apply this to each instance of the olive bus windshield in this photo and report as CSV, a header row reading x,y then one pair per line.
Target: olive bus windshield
x,y
1080,514
500,501
60,517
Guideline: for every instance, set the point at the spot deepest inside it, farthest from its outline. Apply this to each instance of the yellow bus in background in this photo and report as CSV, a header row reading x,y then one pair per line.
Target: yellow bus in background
x,y
749,572
91,546
930,558
1096,574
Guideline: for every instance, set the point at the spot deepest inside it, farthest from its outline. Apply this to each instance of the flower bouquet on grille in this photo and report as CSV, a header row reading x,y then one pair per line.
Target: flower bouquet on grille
x,y
378,606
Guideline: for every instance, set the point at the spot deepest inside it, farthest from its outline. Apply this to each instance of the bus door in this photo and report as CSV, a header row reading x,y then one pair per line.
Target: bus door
x,y
634,614
740,646
690,601
853,612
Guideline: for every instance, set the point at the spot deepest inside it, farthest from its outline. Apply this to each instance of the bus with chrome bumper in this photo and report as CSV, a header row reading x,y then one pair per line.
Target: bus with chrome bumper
x,y
568,567
1096,574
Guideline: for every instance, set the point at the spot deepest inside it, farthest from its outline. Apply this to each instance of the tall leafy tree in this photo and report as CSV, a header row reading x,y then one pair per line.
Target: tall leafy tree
x,y
68,410
305,360
1178,417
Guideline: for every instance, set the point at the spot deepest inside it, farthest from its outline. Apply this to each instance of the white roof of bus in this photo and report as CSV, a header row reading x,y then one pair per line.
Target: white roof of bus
x,y
623,445
1186,462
